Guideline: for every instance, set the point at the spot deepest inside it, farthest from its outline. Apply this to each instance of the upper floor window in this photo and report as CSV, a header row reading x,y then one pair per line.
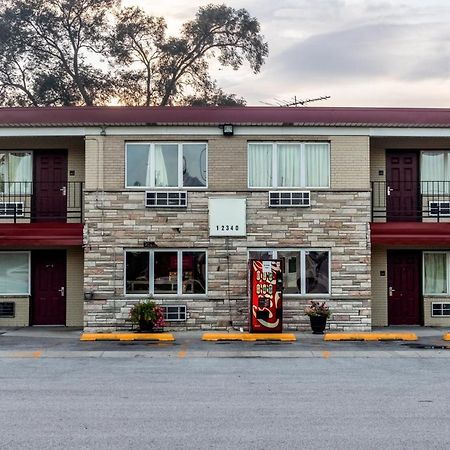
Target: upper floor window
x,y
165,165
14,273
16,171
289,164
435,172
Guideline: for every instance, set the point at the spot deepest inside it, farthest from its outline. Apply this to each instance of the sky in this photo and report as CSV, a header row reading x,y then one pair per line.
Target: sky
x,y
358,52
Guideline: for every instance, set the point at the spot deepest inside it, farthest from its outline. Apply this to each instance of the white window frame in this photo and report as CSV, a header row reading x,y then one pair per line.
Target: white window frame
x,y
151,272
6,180
275,165
152,163
443,316
447,263
20,294
302,252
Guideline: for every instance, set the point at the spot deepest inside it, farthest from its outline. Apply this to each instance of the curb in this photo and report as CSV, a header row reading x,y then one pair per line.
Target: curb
x,y
248,337
90,337
370,337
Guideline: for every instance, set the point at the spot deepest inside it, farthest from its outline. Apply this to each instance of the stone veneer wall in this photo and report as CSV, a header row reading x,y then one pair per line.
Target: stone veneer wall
x,y
336,220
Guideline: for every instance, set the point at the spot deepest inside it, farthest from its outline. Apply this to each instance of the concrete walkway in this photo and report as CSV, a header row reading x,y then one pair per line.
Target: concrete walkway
x,y
61,342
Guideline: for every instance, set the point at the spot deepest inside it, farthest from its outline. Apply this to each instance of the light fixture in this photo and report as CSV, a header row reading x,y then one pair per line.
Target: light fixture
x,y
227,129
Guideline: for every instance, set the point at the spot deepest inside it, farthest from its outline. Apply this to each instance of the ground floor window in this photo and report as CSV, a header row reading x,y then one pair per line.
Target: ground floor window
x,y
305,272
163,272
14,273
435,273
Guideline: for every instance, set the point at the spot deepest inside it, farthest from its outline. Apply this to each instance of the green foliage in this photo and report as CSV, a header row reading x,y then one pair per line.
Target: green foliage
x,y
86,52
145,310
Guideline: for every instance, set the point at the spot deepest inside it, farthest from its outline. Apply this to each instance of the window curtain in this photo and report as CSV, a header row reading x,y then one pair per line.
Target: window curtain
x,y
435,273
260,165
289,165
161,178
434,174
19,173
14,273
317,165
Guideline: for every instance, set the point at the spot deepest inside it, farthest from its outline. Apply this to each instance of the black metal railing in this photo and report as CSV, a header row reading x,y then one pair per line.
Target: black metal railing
x,y
411,201
30,201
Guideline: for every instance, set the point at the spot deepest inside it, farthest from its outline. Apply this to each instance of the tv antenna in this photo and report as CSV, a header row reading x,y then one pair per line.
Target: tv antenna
x,y
296,102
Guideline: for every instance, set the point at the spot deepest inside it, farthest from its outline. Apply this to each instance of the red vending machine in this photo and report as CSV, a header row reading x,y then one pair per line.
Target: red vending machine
x,y
265,282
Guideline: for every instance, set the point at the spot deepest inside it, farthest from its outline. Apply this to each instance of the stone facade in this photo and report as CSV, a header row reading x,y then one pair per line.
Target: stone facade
x,y
336,220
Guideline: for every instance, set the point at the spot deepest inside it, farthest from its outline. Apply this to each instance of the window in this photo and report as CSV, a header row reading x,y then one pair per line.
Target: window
x,y
14,273
15,173
305,272
435,172
435,273
440,309
289,165
166,165
165,272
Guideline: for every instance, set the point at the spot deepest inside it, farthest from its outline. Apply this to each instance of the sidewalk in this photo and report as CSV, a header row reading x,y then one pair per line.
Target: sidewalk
x,y
61,342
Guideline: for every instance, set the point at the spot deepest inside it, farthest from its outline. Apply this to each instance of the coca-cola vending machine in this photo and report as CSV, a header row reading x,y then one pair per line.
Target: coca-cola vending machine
x,y
265,282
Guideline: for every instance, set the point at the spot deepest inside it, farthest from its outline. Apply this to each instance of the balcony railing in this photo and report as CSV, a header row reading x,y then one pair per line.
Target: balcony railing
x,y
411,201
29,201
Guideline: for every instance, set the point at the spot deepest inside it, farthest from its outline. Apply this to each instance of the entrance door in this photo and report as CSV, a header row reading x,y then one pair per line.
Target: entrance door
x,y
402,187
50,186
404,282
48,281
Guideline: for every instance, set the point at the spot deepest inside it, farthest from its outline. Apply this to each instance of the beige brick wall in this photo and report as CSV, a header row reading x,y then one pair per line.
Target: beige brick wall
x,y
74,287
22,312
227,160
430,321
379,287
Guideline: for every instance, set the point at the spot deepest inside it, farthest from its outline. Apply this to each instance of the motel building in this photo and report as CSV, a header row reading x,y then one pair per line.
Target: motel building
x,y
101,207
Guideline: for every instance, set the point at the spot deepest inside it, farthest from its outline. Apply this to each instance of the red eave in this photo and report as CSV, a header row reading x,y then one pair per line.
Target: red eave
x,y
410,233
213,116
27,235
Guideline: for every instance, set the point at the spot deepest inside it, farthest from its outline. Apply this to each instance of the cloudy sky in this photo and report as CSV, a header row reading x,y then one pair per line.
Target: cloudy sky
x,y
359,52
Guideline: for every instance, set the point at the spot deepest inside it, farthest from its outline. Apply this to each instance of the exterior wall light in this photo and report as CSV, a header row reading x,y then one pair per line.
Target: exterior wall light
x,y
227,129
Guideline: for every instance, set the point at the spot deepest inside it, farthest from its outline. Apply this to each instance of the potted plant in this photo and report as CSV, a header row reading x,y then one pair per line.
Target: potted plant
x,y
147,315
318,313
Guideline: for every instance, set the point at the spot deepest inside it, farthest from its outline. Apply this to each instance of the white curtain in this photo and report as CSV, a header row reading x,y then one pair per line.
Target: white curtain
x,y
435,273
19,173
260,165
161,178
317,165
14,273
434,173
289,165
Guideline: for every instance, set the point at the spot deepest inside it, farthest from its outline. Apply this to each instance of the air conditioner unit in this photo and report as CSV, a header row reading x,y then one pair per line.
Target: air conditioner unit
x,y
439,208
165,199
175,313
286,199
11,209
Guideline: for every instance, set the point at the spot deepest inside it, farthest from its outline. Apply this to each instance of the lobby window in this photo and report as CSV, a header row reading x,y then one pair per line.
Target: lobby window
x,y
435,273
289,165
165,272
305,272
14,273
166,165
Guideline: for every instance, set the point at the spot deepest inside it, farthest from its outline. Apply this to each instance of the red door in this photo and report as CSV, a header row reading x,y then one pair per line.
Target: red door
x,y
50,186
404,286
48,282
402,187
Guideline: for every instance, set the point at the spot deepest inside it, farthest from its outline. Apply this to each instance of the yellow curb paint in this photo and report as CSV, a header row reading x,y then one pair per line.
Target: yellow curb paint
x,y
127,337
326,354
370,337
446,337
37,354
181,353
248,337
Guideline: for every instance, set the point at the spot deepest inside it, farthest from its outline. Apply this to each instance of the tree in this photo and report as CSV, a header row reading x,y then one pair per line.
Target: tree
x,y
173,69
47,48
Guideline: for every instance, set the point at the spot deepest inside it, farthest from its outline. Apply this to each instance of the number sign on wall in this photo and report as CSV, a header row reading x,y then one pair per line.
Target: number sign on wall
x,y
227,217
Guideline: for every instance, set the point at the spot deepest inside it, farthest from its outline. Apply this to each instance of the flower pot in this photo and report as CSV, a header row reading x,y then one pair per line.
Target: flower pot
x,y
145,326
318,324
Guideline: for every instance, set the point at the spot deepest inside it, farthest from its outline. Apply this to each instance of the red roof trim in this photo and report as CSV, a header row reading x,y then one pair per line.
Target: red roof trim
x,y
214,116
30,235
410,233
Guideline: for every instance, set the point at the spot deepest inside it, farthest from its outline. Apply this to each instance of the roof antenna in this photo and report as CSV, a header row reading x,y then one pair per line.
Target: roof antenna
x,y
296,102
